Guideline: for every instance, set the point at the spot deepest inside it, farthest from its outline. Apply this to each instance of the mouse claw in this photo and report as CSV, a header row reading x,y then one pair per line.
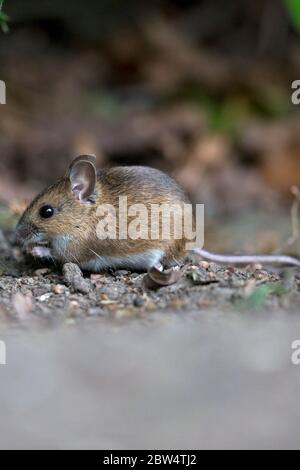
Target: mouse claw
x,y
158,277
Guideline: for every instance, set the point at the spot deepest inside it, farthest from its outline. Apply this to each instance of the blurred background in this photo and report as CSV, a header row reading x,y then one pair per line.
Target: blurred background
x,y
194,88
199,89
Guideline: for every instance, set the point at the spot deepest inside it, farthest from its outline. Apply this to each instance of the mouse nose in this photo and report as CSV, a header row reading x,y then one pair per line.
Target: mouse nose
x,y
23,230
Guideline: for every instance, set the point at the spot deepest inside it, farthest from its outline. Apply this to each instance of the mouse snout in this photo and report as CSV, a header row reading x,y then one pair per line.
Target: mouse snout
x,y
24,230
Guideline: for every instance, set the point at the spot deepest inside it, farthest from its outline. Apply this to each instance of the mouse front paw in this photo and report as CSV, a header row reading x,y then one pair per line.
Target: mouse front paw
x,y
41,252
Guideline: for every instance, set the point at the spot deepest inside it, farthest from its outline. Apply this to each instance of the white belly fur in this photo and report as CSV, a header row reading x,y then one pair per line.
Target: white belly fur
x,y
139,262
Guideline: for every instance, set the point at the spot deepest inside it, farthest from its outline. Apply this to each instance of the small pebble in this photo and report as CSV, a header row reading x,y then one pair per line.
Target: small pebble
x,y
73,304
74,278
96,277
44,297
104,297
121,272
42,272
139,302
58,288
97,312
204,264
257,266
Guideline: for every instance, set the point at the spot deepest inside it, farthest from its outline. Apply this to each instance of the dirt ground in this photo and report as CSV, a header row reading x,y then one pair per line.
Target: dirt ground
x,y
46,294
102,362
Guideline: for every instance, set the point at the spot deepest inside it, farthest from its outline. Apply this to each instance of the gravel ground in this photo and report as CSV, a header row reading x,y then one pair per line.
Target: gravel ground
x,y
102,362
46,294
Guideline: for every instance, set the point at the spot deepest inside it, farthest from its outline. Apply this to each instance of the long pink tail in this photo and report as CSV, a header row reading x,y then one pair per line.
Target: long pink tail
x,y
248,259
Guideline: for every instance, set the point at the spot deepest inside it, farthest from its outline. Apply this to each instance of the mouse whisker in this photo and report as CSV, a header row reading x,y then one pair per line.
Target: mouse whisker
x,y
74,257
98,256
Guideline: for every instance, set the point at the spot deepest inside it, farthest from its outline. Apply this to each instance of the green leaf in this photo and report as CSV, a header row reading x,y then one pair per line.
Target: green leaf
x,y
4,19
293,8
258,298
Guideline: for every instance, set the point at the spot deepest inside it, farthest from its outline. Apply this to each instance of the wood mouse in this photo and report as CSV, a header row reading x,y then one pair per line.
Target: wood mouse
x,y
61,222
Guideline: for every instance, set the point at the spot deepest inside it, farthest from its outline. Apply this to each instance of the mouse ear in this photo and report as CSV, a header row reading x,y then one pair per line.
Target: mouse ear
x,y
83,176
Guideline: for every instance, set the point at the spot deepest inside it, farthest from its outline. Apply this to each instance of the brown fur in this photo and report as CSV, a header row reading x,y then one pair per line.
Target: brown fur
x,y
79,220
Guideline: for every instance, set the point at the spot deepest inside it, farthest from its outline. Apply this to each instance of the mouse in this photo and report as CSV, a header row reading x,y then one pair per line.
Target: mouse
x,y
61,223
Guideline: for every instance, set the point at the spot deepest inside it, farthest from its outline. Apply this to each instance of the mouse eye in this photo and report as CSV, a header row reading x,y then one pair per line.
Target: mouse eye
x,y
46,212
